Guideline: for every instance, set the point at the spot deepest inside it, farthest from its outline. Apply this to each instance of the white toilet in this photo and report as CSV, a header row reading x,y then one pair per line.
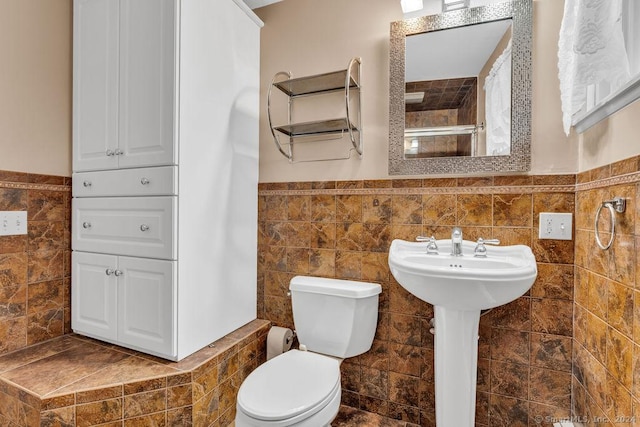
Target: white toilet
x,y
334,319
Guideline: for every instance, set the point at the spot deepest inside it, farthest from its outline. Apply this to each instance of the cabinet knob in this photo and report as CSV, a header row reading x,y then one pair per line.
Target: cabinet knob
x,y
86,225
144,227
108,272
118,273
110,153
144,181
118,152
87,183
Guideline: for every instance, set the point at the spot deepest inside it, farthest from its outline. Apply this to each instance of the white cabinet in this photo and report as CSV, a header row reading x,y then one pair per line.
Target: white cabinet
x,y
126,300
165,162
136,226
93,295
162,181
123,100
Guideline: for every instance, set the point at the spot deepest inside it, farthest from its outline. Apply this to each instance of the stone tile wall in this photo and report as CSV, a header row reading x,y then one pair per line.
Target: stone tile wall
x,y
606,371
35,268
344,229
121,387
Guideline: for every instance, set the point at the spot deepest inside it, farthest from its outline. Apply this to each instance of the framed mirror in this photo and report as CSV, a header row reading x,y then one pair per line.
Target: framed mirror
x,y
460,91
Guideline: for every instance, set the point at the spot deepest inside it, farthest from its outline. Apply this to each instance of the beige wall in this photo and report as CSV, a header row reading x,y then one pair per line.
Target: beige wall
x,y
301,37
551,151
613,139
309,37
35,86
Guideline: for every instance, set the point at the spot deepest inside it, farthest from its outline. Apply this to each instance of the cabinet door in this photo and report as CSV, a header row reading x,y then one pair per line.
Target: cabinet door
x,y
147,63
146,297
95,83
94,293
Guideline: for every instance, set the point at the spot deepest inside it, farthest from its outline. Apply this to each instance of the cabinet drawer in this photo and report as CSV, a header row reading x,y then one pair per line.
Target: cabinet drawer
x,y
162,181
135,226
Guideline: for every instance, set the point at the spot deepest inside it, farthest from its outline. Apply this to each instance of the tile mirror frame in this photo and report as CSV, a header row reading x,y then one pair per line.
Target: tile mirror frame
x,y
519,159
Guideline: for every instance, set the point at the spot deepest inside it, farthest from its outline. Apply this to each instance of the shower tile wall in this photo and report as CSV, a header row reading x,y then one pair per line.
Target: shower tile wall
x,y
606,372
344,229
35,268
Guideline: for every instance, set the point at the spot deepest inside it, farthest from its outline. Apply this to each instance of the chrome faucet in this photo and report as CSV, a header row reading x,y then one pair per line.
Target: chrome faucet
x,y
456,241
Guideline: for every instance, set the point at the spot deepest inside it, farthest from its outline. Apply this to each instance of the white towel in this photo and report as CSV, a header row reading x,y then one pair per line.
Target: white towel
x,y
590,51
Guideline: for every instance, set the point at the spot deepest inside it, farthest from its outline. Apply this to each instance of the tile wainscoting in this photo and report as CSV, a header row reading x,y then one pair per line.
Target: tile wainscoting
x,y
35,269
576,333
606,356
344,229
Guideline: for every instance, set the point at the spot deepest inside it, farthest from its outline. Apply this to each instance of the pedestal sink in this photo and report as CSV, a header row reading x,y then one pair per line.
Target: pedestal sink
x,y
459,287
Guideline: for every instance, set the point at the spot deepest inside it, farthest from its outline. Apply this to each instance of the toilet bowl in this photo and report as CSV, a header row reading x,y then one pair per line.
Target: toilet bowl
x,y
334,319
297,388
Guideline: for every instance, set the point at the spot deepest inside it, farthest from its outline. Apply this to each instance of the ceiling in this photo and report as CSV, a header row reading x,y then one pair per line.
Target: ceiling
x,y
254,4
441,94
453,53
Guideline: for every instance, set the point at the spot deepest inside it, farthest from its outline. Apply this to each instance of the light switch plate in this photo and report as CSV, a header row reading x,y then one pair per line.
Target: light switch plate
x,y
13,223
554,225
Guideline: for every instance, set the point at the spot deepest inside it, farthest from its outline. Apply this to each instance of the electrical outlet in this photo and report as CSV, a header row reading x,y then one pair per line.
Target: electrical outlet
x,y
555,225
13,223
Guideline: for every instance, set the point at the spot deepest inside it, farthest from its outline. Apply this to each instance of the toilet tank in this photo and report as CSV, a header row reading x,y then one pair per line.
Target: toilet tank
x,y
334,317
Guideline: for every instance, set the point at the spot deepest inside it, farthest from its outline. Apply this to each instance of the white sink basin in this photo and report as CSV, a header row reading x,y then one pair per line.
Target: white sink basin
x,y
463,282
459,287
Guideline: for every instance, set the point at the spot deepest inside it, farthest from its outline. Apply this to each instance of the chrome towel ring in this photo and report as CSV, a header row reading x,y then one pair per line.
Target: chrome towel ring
x,y
618,204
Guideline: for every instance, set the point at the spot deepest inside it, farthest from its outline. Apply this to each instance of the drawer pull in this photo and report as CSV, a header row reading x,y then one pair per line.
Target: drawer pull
x,y
144,181
110,153
86,225
144,227
108,272
118,273
87,183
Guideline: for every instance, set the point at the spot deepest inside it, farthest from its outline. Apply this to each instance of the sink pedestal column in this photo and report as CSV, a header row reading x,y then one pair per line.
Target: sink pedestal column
x,y
456,363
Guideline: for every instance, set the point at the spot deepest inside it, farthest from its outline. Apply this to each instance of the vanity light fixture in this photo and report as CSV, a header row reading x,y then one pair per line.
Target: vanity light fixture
x,y
448,5
411,5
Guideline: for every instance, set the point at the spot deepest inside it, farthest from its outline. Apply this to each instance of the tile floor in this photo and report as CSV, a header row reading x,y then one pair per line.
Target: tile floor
x,y
56,382
351,417
73,380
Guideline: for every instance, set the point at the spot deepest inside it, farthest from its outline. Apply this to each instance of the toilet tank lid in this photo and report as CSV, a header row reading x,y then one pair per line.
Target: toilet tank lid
x,y
335,287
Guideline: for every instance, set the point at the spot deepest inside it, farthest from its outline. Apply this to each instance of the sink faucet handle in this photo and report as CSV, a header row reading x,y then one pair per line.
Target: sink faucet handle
x,y
481,251
432,246
489,241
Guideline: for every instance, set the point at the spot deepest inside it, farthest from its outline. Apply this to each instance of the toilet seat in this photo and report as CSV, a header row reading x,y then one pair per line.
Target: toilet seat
x,y
289,388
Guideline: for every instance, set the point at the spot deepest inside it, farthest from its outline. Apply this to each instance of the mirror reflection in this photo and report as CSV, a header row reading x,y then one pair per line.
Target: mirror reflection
x,y
458,104
517,15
